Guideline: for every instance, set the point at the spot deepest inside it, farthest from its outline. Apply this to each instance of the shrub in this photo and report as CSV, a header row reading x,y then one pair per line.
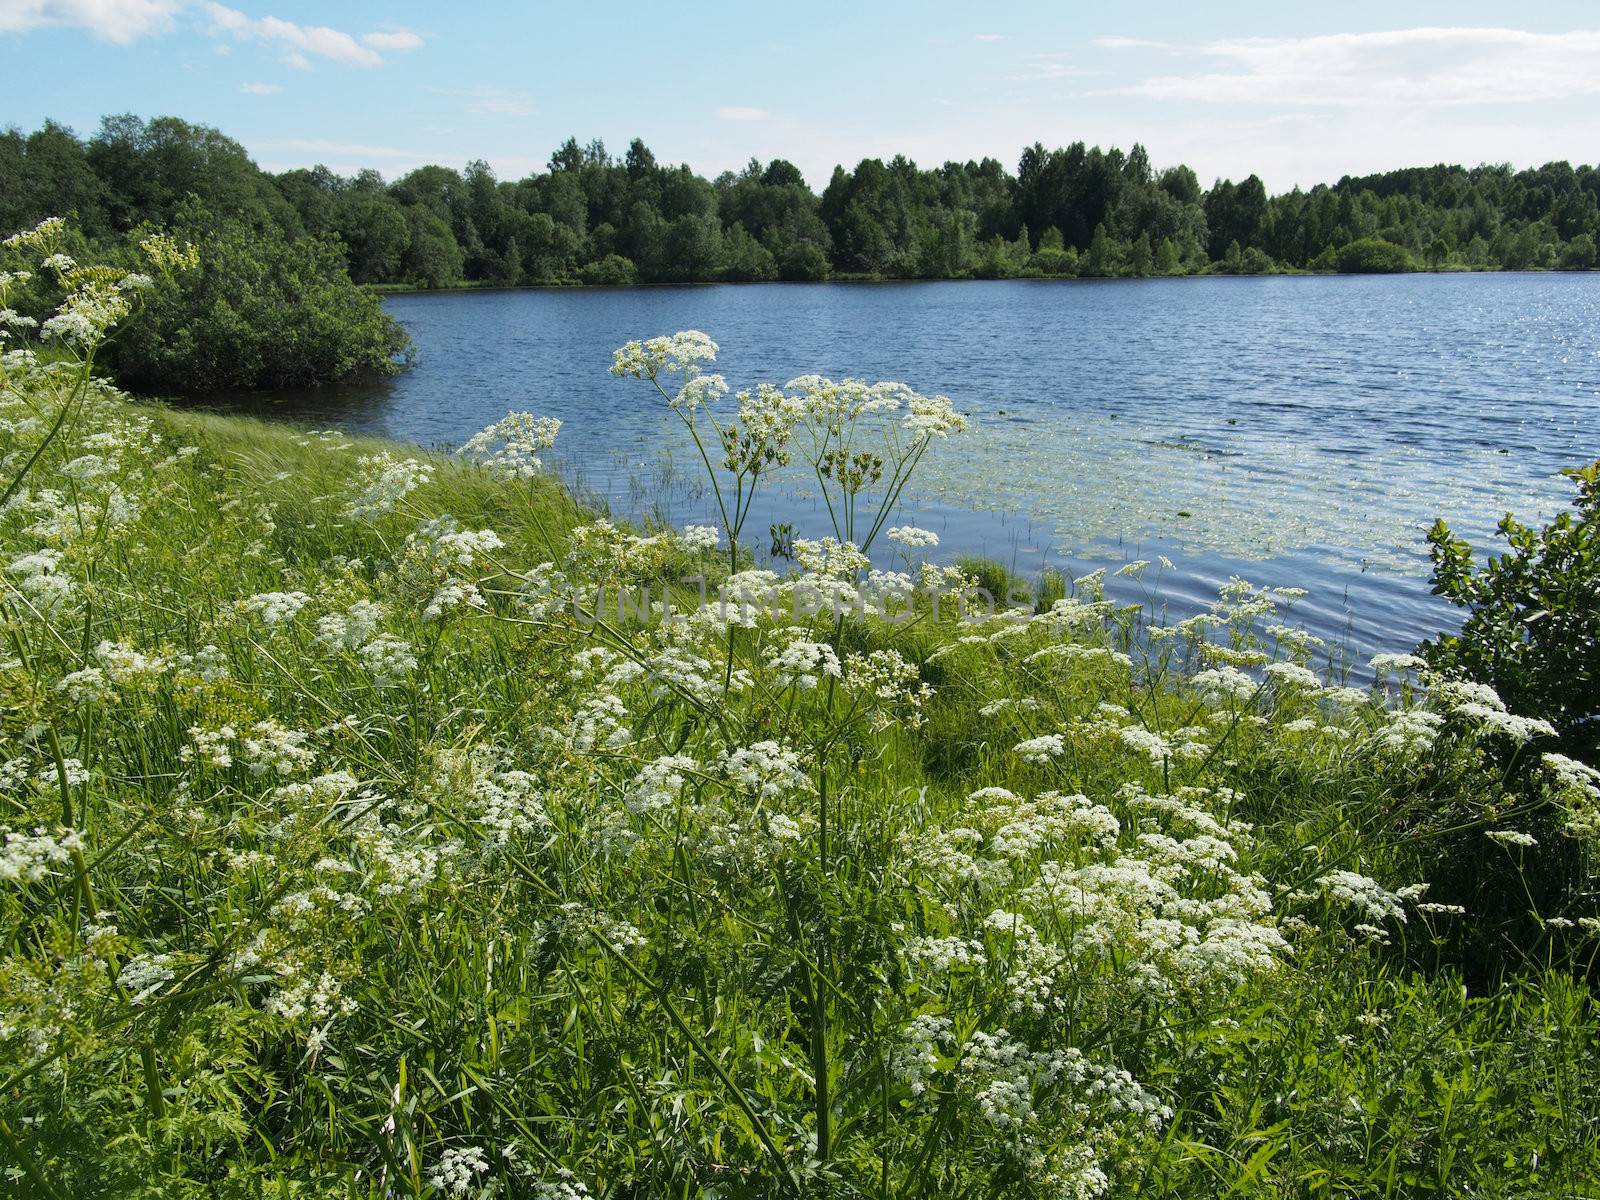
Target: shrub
x,y
804,261
259,312
1374,256
1532,630
1579,254
613,270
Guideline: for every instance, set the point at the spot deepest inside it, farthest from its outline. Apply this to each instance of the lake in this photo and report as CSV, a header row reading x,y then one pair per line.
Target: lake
x,y
1296,431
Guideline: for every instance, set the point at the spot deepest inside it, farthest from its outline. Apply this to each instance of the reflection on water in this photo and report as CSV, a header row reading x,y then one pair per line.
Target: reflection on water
x,y
1298,431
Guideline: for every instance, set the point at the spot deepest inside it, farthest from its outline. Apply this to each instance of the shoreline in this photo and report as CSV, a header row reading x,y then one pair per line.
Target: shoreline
x,y
399,289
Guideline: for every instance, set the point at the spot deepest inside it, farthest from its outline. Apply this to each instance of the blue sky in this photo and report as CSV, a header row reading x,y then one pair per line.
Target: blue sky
x,y
1299,96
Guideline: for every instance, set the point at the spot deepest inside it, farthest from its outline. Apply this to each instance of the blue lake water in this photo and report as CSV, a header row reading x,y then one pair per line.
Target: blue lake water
x,y
1299,431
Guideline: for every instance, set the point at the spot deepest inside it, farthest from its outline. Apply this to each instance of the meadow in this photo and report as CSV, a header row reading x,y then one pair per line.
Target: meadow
x,y
383,823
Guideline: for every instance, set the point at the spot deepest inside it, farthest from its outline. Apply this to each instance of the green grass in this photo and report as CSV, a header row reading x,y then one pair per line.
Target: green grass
x,y
448,927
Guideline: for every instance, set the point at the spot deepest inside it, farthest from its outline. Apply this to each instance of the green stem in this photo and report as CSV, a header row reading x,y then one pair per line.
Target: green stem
x,y
700,1048
29,1168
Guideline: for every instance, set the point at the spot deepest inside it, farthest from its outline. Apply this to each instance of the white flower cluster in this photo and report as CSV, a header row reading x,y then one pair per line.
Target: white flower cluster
x,y
648,359
87,313
1481,703
1292,675
145,975
499,799
1409,732
658,783
912,538
1224,683
350,629
32,857
213,747
458,1170
1040,749
1397,664
382,481
1578,786
891,682
766,770
1364,894
388,658
270,749
1512,837
1171,912
42,581
274,608
510,447
439,563
119,665
699,539
563,1187
801,664
441,539
921,1049
932,417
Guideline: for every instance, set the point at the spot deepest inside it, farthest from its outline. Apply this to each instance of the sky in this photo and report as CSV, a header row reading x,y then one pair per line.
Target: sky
x,y
1297,94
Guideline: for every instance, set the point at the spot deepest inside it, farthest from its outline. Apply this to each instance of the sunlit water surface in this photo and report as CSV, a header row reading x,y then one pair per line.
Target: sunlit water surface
x,y
1295,431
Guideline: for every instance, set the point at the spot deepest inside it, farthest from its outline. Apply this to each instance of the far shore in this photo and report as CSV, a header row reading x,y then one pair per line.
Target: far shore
x,y
404,289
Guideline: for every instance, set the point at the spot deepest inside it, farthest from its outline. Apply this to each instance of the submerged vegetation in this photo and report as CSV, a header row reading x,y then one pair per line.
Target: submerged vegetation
x,y
376,823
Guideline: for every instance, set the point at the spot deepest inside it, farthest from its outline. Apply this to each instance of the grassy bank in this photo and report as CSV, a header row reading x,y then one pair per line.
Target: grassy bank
x,y
351,848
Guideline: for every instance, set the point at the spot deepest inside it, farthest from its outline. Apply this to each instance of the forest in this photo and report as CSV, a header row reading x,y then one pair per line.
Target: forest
x,y
594,218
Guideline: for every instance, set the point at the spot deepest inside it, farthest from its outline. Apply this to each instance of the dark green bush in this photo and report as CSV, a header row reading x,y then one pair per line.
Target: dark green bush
x,y
259,312
613,270
1374,256
1532,630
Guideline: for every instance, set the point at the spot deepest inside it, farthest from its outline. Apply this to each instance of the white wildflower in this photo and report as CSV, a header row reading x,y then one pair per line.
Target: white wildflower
x,y
510,447
1362,893
1041,749
912,538
766,769
1512,837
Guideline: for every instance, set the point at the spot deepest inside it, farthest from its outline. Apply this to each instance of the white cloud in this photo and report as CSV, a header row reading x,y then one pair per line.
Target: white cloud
x,y
300,43
260,89
735,112
986,37
499,102
486,100
1049,66
345,149
1425,66
121,21
396,39
1114,42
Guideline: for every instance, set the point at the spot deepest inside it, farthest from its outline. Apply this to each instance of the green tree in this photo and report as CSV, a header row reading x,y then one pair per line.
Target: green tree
x,y
1103,258
1327,259
744,258
1140,258
376,234
431,257
1167,259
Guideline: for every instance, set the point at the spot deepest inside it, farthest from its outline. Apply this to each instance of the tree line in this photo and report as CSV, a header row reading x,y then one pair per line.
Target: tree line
x,y
595,218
